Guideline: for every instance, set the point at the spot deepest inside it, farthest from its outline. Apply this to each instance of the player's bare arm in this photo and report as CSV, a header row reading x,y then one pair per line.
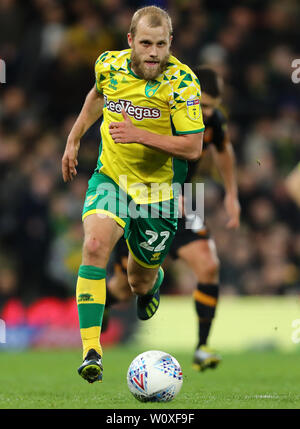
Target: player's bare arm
x,y
90,112
188,146
225,162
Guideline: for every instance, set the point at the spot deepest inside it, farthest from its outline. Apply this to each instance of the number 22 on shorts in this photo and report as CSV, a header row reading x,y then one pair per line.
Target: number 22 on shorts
x,y
151,243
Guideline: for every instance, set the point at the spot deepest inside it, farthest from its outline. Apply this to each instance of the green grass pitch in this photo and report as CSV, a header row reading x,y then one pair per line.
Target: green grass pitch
x,y
42,379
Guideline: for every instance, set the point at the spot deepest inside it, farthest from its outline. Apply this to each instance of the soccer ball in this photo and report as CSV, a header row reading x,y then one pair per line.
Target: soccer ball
x,y
154,376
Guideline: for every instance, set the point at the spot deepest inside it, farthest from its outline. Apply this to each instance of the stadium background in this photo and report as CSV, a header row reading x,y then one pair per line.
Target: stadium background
x,y
49,48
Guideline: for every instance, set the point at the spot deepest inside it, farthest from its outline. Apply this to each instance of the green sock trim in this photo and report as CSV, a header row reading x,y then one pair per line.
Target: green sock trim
x,y
159,280
90,315
92,273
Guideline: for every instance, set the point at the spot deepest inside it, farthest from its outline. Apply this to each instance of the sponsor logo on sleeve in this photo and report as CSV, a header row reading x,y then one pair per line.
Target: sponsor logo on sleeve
x,y
193,108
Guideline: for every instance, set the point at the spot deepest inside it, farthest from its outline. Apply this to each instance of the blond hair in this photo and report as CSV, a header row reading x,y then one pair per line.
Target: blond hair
x,y
155,16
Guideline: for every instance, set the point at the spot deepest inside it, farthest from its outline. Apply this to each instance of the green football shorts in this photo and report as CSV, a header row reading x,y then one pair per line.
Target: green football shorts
x,y
149,229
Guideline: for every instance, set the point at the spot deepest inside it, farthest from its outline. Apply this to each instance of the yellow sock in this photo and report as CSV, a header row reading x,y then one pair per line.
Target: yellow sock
x,y
90,298
90,338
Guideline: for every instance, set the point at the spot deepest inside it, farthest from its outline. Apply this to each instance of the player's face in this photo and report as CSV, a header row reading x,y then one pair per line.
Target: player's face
x,y
150,49
208,105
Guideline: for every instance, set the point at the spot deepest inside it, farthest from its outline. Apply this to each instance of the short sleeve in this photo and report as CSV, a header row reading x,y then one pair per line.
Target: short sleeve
x,y
185,104
99,70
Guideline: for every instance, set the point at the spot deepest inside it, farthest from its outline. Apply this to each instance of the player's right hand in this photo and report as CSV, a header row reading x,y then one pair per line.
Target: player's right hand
x,y
69,160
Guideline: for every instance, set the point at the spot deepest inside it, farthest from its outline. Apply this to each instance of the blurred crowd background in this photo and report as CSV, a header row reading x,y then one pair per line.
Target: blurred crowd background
x,y
50,48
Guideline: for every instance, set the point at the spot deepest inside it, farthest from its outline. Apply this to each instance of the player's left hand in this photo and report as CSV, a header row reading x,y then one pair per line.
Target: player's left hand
x,y
125,131
233,210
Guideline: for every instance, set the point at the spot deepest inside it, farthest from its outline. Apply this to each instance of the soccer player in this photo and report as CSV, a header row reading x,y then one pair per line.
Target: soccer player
x,y
138,91
194,244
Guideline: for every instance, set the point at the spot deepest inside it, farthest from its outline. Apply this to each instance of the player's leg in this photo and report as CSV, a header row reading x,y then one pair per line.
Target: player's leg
x,y
118,288
145,283
100,236
140,281
149,242
201,256
104,222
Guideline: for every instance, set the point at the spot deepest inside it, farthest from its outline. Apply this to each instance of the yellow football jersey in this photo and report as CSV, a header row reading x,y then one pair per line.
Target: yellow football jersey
x,y
168,105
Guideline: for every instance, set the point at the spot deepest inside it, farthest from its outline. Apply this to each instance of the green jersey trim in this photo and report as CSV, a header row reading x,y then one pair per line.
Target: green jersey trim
x,y
99,163
191,132
131,71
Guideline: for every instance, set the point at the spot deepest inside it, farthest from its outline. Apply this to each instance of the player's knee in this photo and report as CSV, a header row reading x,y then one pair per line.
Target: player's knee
x,y
211,267
95,248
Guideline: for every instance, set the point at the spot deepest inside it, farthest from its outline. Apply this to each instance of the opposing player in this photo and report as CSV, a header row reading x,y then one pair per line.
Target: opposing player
x,y
137,90
194,244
